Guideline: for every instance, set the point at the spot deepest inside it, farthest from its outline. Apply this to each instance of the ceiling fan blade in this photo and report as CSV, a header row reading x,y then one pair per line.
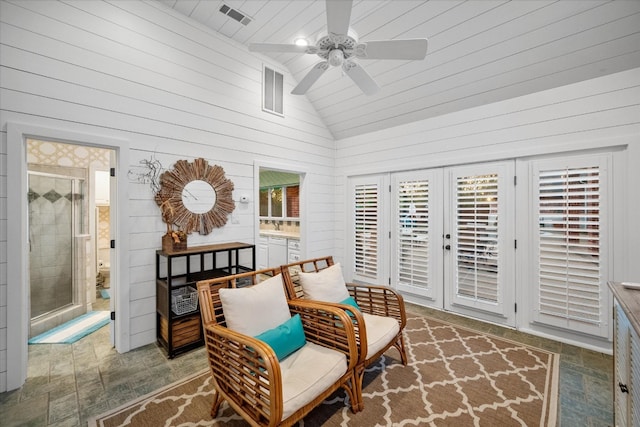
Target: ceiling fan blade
x,y
273,47
311,77
338,16
360,77
392,49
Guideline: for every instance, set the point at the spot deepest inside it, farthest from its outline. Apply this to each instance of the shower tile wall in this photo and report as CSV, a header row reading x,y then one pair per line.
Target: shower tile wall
x,y
50,241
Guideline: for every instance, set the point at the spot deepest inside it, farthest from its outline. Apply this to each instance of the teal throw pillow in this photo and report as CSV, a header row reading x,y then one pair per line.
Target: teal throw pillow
x,y
350,301
286,338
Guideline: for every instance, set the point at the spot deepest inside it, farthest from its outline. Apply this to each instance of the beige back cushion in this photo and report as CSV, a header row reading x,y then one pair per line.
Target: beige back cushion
x,y
255,309
326,285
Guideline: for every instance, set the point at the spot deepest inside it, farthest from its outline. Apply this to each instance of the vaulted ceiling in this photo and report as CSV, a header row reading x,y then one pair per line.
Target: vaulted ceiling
x,y
480,51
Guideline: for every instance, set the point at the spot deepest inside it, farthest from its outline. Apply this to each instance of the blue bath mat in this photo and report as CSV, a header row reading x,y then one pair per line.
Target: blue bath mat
x,y
104,294
73,330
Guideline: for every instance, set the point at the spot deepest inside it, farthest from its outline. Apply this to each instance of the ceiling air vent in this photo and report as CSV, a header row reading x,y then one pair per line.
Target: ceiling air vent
x,y
235,14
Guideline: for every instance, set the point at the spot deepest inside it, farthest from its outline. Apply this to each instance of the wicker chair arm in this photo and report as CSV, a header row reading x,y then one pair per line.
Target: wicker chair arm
x,y
330,326
246,371
379,300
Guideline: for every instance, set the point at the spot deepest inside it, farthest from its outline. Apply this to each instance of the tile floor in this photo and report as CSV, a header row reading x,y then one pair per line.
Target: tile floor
x,y
68,383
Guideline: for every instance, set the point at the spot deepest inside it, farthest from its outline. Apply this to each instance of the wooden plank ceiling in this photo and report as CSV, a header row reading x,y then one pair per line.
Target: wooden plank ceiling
x,y
480,51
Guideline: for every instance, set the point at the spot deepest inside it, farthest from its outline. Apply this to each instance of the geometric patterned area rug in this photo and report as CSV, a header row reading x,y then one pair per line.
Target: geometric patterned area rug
x,y
74,329
455,377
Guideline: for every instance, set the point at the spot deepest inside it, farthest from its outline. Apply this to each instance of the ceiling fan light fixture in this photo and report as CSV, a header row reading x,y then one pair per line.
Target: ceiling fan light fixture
x,y
301,41
339,47
336,57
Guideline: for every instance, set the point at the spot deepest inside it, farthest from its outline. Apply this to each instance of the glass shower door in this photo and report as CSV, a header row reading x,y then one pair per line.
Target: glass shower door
x,y
51,233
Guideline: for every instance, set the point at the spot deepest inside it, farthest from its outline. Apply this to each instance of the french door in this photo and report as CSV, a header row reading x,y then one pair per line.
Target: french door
x,y
451,237
479,241
446,238
417,234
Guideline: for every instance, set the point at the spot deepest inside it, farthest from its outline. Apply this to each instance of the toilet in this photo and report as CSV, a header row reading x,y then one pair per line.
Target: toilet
x,y
103,271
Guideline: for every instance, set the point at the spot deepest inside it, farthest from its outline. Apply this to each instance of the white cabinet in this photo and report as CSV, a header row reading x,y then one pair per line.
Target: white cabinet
x,y
293,250
274,251
263,253
277,251
626,353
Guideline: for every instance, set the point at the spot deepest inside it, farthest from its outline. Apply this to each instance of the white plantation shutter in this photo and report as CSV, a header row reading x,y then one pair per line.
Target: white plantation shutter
x,y
480,218
569,243
417,233
477,231
413,229
366,229
571,235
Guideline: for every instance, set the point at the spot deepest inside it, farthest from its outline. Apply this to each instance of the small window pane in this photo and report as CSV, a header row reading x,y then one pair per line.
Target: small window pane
x,y
268,89
273,96
293,202
264,202
276,202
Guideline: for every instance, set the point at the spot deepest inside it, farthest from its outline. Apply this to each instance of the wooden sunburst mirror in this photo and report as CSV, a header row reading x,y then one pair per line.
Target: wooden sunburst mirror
x,y
195,196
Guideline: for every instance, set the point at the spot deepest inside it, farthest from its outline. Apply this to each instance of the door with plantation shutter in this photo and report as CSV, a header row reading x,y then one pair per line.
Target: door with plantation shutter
x,y
479,241
417,234
369,240
571,237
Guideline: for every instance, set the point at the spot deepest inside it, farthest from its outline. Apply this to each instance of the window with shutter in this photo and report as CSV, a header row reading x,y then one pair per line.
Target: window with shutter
x,y
571,243
569,254
366,230
477,231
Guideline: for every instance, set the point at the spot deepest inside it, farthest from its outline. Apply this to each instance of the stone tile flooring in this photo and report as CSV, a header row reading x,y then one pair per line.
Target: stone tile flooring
x,y
68,383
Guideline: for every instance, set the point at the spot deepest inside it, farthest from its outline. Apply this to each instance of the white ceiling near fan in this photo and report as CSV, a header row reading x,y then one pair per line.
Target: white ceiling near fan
x,y
480,51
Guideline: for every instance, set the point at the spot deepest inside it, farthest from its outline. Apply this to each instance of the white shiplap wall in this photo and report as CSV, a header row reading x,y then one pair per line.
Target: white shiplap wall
x,y
597,113
173,89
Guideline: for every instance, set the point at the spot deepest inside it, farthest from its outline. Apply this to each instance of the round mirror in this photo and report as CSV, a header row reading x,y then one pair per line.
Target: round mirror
x,y
198,196
195,196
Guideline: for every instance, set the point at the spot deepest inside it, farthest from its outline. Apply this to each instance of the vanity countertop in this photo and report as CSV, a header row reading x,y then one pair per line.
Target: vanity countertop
x,y
275,233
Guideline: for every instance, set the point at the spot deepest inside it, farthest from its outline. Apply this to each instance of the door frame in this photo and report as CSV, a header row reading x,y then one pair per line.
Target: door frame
x,y
17,239
282,167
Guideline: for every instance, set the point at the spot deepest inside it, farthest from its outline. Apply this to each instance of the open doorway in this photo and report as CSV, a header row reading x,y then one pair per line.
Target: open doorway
x,y
69,234
18,312
280,215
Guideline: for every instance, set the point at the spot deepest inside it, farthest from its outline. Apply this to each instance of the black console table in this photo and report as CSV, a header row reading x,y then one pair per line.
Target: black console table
x,y
178,324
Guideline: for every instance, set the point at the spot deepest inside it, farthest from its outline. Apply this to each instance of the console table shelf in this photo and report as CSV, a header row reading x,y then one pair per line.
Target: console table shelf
x,y
176,270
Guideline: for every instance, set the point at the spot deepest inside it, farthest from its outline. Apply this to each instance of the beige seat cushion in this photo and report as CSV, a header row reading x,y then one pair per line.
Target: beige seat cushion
x,y
329,285
380,332
307,373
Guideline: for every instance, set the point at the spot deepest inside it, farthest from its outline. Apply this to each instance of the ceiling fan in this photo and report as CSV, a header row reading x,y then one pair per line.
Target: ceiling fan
x,y
340,47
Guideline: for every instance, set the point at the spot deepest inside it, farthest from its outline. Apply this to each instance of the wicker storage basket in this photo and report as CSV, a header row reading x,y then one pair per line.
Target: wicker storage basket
x,y
184,300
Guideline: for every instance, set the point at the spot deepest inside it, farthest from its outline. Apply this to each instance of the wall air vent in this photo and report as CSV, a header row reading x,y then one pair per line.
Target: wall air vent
x,y
235,14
